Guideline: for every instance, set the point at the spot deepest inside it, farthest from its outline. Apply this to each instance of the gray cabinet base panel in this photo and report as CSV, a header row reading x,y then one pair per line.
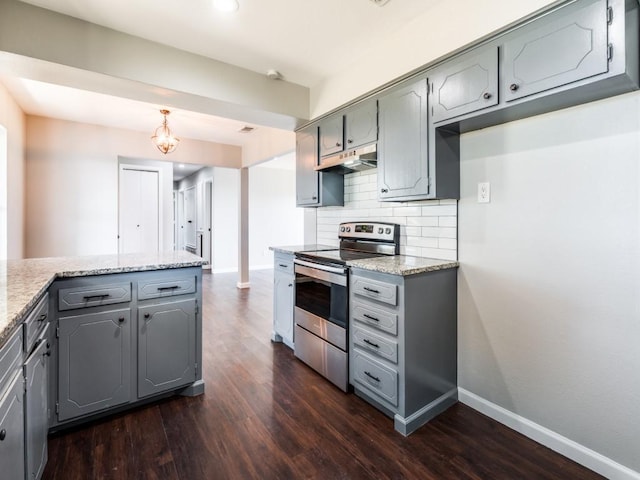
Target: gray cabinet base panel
x,y
193,390
410,424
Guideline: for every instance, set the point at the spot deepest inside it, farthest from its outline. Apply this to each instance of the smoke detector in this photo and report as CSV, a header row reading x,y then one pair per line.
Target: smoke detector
x,y
274,74
246,129
380,3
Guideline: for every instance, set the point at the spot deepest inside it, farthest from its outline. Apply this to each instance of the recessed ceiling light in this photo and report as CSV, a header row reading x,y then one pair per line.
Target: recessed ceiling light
x,y
380,3
181,165
226,5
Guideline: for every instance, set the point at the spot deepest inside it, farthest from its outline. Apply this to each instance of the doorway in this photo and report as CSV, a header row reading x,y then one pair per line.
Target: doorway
x,y
139,210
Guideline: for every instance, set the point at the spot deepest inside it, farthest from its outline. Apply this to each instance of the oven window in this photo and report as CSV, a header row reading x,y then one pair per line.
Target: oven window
x,y
324,299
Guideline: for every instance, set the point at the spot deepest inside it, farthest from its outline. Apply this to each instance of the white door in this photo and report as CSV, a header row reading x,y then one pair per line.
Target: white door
x,y
190,217
139,211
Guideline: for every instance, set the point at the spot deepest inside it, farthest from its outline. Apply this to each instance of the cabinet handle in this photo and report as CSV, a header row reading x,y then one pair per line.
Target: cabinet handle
x,y
373,377
314,198
42,317
366,315
147,315
283,265
384,190
369,342
96,297
121,319
513,87
349,141
487,95
291,284
372,290
338,144
165,289
3,434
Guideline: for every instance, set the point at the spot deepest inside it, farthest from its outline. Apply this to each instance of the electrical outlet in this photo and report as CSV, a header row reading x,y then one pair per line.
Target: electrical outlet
x,y
484,192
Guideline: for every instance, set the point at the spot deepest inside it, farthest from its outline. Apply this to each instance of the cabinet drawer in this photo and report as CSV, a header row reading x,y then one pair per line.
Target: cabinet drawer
x,y
166,287
283,263
375,377
93,296
382,292
375,344
10,359
34,323
376,317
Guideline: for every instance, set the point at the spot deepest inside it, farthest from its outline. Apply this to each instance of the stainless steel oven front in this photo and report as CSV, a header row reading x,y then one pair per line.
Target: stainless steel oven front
x,y
321,316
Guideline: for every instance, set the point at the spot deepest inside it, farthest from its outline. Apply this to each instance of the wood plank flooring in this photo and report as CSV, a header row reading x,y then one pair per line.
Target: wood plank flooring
x,y
265,415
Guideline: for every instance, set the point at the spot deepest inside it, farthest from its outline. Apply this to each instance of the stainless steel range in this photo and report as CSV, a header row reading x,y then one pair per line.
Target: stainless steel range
x,y
322,296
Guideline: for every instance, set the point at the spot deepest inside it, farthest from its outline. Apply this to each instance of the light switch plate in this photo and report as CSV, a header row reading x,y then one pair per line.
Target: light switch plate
x,y
484,192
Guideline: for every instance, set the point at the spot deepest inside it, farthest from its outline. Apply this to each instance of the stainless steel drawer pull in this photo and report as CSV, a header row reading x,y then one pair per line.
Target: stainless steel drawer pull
x,y
283,265
96,297
172,287
366,315
372,377
369,342
372,290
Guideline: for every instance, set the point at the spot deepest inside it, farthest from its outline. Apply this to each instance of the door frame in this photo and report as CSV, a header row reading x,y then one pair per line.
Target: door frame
x,y
145,168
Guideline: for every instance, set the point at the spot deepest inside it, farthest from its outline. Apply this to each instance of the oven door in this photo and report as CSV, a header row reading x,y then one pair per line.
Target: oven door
x,y
321,291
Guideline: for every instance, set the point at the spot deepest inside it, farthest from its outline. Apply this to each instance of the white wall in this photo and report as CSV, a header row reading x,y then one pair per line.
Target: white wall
x,y
72,182
549,282
427,228
12,177
226,194
273,217
449,25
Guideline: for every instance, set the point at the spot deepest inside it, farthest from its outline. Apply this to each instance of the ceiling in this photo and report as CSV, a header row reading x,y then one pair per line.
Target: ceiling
x,y
306,41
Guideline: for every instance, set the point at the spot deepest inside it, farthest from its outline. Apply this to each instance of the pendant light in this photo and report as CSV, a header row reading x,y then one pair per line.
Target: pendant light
x,y
163,138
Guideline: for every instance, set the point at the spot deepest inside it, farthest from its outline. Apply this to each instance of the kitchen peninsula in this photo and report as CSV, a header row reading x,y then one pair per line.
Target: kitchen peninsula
x,y
83,336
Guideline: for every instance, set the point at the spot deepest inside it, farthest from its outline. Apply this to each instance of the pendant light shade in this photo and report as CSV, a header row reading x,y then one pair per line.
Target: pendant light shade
x,y
163,138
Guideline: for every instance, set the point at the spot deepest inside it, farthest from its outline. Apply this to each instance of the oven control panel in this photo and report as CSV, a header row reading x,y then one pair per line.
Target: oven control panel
x,y
378,231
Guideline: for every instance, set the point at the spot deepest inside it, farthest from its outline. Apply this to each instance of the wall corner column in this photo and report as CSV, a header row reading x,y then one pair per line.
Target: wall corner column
x,y
243,230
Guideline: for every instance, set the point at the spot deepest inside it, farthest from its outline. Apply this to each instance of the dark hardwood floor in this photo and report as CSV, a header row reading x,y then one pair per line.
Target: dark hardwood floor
x,y
265,415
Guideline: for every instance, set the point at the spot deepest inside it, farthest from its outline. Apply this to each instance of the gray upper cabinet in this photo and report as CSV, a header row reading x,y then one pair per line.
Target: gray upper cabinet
x,y
465,84
331,135
548,54
403,163
361,124
94,362
313,188
166,346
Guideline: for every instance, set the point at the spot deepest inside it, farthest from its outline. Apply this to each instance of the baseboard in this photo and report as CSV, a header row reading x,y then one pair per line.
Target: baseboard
x,y
570,449
408,425
243,284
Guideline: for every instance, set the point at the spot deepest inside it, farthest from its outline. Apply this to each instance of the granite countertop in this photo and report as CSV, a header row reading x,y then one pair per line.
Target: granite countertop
x,y
22,282
402,264
302,248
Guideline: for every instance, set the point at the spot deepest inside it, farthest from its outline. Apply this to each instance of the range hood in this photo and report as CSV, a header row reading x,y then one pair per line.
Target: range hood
x,y
350,161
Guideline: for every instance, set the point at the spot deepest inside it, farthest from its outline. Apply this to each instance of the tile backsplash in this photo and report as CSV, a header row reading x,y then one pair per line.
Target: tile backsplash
x,y
428,228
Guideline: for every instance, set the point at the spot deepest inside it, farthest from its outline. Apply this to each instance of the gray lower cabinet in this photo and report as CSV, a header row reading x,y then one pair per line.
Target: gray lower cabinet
x,y
166,346
547,54
403,150
403,343
283,298
12,446
94,362
36,372
465,84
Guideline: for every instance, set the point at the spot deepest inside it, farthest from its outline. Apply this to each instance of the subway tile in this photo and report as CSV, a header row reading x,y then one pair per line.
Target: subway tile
x,y
449,201
411,231
422,242
439,210
439,254
448,221
411,251
407,211
422,221
448,243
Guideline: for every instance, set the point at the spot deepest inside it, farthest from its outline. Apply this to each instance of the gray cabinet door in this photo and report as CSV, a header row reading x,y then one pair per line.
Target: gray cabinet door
x,y
94,362
166,346
553,53
403,153
361,124
12,430
331,135
465,84
37,409
283,305
307,178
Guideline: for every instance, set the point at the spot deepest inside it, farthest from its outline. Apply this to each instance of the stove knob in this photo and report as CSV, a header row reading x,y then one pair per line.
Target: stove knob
x,y
387,231
379,230
342,229
348,229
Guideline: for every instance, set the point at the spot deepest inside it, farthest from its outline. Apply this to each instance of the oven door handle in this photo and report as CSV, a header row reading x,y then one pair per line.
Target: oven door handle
x,y
321,272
